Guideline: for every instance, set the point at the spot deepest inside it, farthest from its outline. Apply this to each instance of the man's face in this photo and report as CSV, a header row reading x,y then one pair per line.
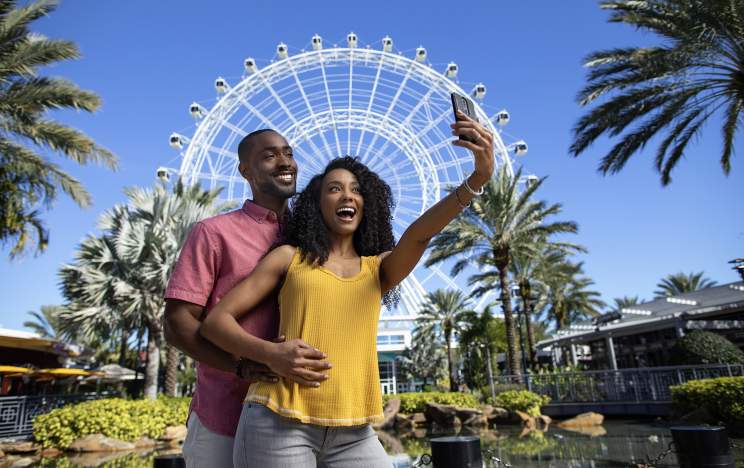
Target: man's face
x,y
270,167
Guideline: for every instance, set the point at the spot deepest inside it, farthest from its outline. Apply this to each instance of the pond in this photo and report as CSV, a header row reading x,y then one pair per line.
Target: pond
x,y
617,443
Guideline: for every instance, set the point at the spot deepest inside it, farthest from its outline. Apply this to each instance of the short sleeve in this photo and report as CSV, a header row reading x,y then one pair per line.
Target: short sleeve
x,y
193,276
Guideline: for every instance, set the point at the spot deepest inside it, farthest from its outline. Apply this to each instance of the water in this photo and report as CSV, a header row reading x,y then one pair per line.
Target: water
x,y
618,443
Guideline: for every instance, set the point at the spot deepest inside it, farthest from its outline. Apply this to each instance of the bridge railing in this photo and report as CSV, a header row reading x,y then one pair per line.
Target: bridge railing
x,y
622,385
17,413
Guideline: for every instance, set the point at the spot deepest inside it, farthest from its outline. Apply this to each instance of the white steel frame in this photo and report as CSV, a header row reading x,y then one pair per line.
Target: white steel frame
x,y
391,111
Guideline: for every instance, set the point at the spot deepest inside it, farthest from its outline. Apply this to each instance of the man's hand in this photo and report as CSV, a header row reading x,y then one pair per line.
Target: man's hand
x,y
299,362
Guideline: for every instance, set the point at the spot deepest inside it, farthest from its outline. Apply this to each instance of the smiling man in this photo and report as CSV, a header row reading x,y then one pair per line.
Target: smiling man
x,y
220,252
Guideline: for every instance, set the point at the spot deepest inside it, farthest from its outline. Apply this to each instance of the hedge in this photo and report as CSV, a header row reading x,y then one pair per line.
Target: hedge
x,y
722,397
118,418
522,400
416,402
704,347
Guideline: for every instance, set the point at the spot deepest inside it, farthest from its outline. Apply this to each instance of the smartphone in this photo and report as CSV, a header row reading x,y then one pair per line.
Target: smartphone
x,y
466,106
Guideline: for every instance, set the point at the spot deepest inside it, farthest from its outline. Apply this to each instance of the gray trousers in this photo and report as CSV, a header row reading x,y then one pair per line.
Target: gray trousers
x,y
267,440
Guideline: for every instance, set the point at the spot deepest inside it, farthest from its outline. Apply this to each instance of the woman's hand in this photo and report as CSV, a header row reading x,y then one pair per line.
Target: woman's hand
x,y
481,147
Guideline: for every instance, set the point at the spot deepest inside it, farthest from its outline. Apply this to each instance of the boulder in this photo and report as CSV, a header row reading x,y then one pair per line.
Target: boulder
x,y
99,443
177,433
50,452
495,414
472,417
403,422
591,431
391,409
21,462
545,420
144,442
528,422
19,447
442,415
583,420
418,419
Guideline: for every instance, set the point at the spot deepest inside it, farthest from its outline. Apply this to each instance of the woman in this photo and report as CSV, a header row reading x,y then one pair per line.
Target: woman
x,y
337,265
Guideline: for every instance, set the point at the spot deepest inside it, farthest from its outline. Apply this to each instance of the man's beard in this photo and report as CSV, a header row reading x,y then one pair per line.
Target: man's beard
x,y
278,191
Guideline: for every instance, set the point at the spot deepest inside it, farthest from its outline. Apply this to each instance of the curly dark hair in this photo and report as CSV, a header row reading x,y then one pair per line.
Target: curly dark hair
x,y
307,231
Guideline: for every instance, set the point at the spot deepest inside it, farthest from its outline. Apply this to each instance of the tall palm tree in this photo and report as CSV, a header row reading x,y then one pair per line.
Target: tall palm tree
x,y
569,295
499,224
669,91
119,277
440,318
626,301
680,283
45,323
29,181
424,360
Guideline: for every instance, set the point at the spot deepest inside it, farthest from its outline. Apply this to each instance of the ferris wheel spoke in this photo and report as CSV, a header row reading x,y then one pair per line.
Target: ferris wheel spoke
x,y
331,109
310,109
351,89
394,102
369,103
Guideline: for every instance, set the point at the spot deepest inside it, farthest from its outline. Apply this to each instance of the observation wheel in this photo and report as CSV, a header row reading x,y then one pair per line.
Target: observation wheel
x,y
391,111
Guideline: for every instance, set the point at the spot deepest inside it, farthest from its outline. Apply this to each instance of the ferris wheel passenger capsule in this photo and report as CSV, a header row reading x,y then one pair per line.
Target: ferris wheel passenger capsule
x,y
502,118
387,44
451,70
317,42
176,141
281,50
420,54
220,85
196,110
520,148
250,65
351,39
531,180
162,174
479,91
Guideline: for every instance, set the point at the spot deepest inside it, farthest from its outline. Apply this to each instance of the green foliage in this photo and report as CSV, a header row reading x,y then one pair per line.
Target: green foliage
x,y
704,347
722,397
680,283
416,402
120,419
522,400
128,460
534,443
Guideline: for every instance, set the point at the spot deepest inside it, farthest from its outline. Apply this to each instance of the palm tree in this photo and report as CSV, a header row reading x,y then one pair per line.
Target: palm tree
x,y
569,296
626,301
28,180
499,224
680,283
676,87
45,323
424,360
440,318
482,338
119,277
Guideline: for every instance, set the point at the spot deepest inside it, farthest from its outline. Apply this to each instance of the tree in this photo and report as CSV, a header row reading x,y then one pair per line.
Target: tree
x,y
674,88
119,277
626,301
29,182
440,318
498,225
680,283
424,360
45,322
482,338
569,296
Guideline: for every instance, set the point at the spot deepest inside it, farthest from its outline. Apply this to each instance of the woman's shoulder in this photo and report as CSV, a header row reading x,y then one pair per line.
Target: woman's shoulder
x,y
282,255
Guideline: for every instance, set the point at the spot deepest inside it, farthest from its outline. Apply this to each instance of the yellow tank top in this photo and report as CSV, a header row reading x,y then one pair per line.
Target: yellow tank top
x,y
339,317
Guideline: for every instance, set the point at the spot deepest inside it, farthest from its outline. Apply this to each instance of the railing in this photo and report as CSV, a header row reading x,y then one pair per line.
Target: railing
x,y
622,385
17,413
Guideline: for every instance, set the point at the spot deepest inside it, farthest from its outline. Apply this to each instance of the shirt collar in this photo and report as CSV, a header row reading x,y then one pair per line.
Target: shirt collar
x,y
259,213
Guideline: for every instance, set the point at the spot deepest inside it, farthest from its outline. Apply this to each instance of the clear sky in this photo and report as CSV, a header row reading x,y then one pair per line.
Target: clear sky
x,y
149,60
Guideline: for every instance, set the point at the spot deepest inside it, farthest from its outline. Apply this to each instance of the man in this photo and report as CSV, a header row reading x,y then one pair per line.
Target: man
x,y
219,252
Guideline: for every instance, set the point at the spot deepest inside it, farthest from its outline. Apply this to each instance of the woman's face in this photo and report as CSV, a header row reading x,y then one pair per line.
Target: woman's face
x,y
341,202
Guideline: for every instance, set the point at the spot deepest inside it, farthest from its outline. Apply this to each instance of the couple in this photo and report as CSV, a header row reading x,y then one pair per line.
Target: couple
x,y
314,383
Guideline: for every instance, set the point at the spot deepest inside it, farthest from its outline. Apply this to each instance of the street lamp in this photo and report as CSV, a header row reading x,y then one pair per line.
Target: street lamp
x,y
520,313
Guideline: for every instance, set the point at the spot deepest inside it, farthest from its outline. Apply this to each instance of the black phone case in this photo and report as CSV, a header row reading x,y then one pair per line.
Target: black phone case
x,y
464,105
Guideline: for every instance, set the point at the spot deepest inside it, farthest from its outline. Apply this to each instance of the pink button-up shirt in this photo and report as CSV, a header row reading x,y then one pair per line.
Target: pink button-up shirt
x,y
218,253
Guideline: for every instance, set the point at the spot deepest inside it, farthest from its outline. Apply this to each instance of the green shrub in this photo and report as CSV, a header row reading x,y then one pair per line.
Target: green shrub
x,y
722,397
704,347
115,417
522,400
416,402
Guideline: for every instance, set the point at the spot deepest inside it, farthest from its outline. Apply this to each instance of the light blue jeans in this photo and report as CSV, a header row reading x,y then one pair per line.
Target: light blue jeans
x,y
267,440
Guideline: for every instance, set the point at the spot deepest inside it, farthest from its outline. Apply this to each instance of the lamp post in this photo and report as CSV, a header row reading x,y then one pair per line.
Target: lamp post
x,y
521,337
490,371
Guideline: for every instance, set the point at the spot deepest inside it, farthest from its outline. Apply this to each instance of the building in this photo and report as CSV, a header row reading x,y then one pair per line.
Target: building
x,y
642,335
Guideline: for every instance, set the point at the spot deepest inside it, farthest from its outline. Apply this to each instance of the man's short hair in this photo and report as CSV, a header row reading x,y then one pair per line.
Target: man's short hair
x,y
246,144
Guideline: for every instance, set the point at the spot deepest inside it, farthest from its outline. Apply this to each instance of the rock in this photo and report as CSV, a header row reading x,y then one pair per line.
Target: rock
x,y
471,417
92,459
26,461
527,421
19,447
545,420
591,431
403,423
174,433
391,409
50,452
418,419
442,415
2,454
496,415
99,443
583,420
144,442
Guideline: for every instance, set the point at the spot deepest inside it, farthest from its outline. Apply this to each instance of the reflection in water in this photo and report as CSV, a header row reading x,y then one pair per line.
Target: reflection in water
x,y
615,444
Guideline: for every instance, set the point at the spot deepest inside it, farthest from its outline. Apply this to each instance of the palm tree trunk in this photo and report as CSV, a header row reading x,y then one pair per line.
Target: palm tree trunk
x,y
123,346
173,359
512,354
153,362
453,386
